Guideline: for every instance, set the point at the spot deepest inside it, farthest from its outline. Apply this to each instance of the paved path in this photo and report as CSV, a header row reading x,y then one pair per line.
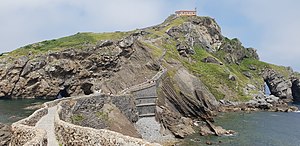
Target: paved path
x,y
47,123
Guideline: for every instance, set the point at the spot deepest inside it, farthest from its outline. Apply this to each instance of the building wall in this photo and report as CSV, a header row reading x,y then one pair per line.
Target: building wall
x,y
186,13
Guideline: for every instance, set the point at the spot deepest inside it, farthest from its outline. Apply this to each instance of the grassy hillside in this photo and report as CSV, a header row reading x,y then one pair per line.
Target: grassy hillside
x,y
214,76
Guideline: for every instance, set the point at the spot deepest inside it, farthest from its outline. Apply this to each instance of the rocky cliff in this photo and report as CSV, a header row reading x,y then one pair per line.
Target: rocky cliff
x,y
202,66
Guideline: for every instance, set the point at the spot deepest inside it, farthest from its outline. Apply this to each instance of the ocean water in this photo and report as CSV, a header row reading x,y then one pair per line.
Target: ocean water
x,y
254,129
13,110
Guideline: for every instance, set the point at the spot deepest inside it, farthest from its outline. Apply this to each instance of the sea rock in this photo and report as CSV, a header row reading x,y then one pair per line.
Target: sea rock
x,y
278,85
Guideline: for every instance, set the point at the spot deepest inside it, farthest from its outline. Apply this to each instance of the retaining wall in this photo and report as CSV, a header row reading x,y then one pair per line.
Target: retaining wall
x,y
24,132
70,134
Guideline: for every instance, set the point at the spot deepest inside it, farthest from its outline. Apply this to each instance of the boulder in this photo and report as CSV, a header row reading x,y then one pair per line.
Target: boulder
x,y
210,59
247,74
232,77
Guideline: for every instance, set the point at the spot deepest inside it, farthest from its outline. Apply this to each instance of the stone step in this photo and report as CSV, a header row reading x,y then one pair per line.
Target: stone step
x,y
146,109
146,97
145,104
147,115
145,100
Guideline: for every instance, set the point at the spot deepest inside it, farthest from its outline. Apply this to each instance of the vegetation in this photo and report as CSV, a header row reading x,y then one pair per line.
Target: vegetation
x,y
77,118
77,41
102,115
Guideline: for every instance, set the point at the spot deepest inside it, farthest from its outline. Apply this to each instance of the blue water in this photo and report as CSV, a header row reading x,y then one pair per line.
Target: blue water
x,y
13,110
254,129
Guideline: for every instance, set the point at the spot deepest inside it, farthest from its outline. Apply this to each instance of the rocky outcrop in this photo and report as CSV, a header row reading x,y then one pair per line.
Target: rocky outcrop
x,y
201,31
5,134
178,125
234,52
181,98
278,85
79,71
296,89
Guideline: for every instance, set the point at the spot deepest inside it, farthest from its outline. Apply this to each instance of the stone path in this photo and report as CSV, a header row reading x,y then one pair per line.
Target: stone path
x,y
47,123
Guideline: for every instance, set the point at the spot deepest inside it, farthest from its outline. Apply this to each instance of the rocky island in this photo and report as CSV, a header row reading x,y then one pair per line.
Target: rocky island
x,y
148,86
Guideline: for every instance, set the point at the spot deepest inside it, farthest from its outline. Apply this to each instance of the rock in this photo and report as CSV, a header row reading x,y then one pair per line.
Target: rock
x,y
179,126
202,31
184,50
278,85
105,43
126,42
296,89
252,67
208,142
272,99
235,52
5,134
247,74
153,66
210,59
232,77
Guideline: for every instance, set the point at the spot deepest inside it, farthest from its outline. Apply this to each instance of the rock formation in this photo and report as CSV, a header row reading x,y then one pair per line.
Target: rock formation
x,y
278,85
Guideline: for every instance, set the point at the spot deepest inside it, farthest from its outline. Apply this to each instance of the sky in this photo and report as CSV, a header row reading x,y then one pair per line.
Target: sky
x,y
270,26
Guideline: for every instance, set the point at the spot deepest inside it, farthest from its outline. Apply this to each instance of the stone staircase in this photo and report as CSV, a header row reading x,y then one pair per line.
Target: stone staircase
x,y
145,99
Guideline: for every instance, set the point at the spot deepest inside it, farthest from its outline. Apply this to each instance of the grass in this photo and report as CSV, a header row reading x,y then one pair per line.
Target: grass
x,y
102,115
77,118
78,41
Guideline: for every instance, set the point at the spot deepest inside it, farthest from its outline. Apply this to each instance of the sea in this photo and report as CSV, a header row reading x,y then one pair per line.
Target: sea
x,y
253,129
12,110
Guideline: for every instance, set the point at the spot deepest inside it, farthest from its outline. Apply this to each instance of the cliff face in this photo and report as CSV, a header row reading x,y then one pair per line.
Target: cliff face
x,y
86,63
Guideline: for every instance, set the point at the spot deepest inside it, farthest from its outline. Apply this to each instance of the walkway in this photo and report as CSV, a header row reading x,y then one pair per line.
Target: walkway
x,y
47,123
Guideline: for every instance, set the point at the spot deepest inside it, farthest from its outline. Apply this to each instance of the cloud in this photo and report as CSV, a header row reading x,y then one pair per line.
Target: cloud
x,y
271,26
280,23
24,22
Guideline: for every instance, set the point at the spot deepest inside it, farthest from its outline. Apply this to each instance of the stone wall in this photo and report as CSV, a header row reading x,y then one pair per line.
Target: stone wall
x,y
69,134
24,132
